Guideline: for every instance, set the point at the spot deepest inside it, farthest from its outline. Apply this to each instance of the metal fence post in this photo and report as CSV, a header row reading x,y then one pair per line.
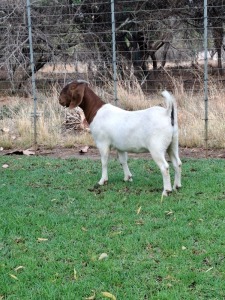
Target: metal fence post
x,y
33,74
206,74
114,51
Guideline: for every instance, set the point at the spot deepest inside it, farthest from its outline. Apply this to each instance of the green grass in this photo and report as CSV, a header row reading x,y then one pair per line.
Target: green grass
x,y
54,225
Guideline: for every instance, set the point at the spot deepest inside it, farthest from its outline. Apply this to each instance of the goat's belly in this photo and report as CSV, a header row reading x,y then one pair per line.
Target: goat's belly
x,y
137,150
131,149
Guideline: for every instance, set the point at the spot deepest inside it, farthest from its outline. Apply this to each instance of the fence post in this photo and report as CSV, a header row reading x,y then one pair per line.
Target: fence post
x,y
206,74
33,74
114,51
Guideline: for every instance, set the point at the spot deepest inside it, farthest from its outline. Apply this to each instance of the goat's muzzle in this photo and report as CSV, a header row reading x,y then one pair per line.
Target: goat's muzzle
x,y
63,101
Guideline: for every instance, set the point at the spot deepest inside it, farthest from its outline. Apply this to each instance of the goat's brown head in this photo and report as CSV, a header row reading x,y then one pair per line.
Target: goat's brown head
x,y
72,94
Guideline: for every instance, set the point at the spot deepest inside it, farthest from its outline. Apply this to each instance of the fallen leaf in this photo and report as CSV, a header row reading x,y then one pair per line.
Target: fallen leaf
x,y
209,269
75,274
84,150
108,295
84,229
169,212
91,297
19,268
183,248
42,240
103,256
139,210
5,166
13,276
28,152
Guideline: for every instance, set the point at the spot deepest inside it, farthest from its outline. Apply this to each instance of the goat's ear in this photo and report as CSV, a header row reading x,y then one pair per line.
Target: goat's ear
x,y
77,92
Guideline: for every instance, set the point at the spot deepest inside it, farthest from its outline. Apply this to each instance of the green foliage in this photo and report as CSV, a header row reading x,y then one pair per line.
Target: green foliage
x,y
54,225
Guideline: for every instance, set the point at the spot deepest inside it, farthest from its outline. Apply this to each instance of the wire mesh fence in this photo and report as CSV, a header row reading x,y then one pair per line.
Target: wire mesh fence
x,y
144,45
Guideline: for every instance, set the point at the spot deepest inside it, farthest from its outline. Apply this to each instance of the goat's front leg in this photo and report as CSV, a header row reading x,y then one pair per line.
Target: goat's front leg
x,y
104,152
123,161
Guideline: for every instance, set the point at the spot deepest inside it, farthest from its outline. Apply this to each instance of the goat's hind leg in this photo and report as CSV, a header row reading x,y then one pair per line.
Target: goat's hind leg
x,y
123,161
104,152
159,158
174,156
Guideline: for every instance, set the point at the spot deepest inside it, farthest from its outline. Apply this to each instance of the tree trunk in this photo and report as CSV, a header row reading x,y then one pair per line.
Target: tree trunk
x,y
164,54
218,43
154,60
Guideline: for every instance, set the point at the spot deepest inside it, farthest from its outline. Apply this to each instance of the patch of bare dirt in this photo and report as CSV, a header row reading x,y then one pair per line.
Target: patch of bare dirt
x,y
93,153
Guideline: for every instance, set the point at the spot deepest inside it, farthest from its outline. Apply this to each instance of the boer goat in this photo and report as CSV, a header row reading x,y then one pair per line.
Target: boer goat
x,y
153,130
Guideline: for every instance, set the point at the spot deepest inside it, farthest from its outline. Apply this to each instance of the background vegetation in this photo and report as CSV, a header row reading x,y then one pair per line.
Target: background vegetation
x,y
17,130
148,34
158,43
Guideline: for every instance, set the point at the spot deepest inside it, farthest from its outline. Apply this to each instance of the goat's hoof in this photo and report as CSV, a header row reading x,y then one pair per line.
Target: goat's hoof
x,y
129,178
166,193
102,182
176,187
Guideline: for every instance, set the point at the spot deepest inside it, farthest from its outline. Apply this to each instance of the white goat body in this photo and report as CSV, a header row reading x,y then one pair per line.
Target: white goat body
x,y
131,131
153,130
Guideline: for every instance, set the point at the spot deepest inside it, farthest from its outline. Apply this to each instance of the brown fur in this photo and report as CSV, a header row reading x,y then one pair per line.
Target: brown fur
x,y
79,94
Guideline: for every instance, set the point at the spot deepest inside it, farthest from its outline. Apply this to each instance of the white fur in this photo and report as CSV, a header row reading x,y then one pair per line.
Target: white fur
x,y
148,130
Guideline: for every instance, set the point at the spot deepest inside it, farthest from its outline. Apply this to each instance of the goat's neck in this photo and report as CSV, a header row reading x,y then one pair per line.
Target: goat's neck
x,y
90,104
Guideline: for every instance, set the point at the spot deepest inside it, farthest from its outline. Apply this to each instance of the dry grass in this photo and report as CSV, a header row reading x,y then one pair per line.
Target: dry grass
x,y
16,123
135,99
85,138
191,118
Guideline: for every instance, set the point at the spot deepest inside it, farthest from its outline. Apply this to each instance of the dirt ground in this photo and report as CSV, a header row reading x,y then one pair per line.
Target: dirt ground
x,y
93,153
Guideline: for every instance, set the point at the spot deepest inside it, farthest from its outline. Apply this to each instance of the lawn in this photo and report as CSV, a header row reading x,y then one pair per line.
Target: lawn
x,y
61,238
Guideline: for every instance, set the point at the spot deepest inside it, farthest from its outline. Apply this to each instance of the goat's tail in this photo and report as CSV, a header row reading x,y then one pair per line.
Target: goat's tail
x,y
171,107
